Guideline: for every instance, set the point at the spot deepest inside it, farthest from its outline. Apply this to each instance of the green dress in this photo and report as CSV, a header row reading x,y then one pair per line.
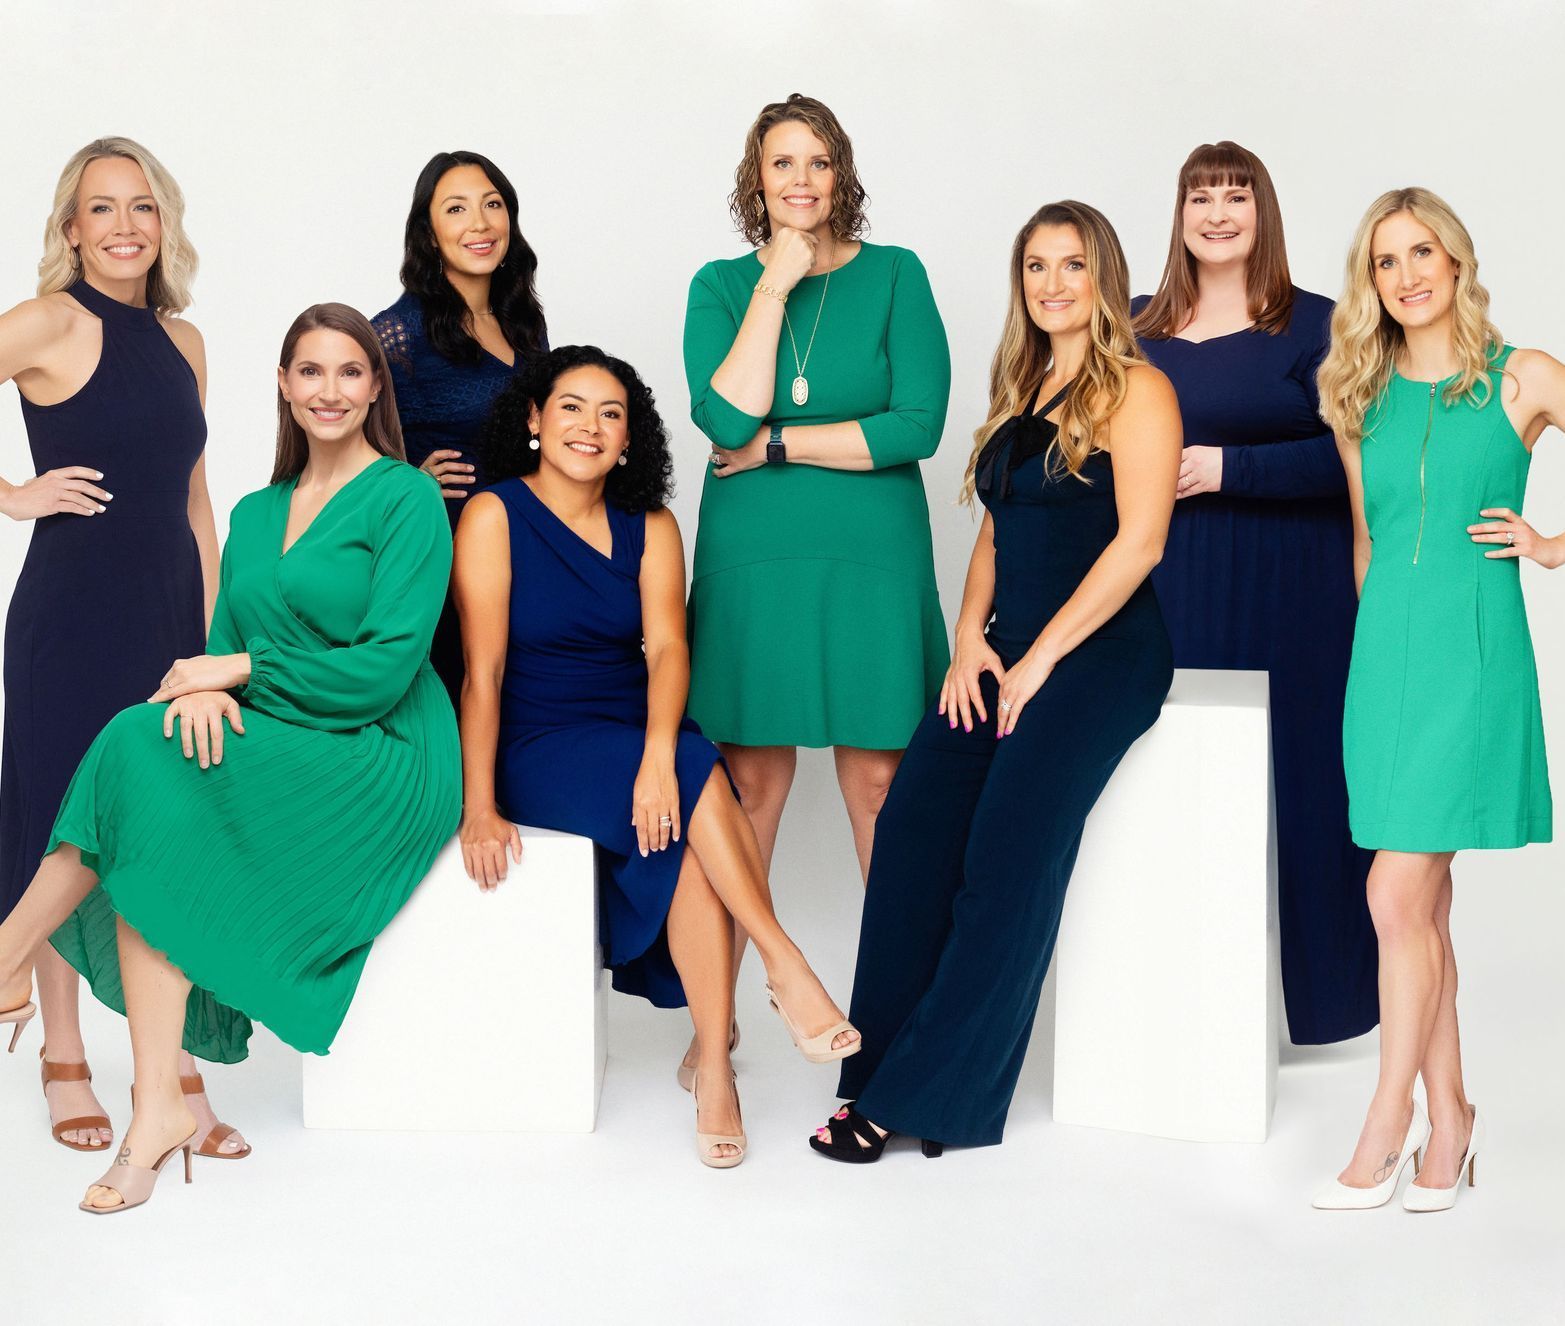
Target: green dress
x,y
266,878
1442,733
814,618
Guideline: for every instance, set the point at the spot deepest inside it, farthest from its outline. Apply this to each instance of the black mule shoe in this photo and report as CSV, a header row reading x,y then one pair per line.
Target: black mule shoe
x,y
854,1140
843,1134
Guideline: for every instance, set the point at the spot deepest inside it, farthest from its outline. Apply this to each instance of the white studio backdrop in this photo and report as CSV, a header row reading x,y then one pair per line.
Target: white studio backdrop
x,y
296,130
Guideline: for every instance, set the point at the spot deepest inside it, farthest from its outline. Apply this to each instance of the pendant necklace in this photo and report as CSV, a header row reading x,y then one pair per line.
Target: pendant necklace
x,y
801,385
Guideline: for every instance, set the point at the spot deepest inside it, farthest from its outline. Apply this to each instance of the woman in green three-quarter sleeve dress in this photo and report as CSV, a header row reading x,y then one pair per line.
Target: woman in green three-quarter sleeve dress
x,y
819,371
263,861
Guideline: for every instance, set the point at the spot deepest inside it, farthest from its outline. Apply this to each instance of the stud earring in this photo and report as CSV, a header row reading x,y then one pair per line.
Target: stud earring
x,y
533,444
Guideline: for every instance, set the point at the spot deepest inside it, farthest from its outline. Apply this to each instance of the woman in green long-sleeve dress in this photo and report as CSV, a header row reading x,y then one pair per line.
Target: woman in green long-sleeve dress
x,y
819,371
213,877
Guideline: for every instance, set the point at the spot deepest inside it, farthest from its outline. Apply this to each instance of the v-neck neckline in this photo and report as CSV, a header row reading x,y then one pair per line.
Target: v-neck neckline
x,y
293,486
554,516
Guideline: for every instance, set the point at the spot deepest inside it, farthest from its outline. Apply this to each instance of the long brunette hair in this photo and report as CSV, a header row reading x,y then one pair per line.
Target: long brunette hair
x,y
511,292
382,427
1268,284
1025,352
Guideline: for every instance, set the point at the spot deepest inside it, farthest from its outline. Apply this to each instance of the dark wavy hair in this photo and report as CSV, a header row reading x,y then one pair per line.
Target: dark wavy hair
x,y
644,482
511,293
382,427
848,199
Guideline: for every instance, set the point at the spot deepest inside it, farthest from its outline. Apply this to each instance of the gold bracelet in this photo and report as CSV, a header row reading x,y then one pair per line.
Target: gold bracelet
x,y
781,296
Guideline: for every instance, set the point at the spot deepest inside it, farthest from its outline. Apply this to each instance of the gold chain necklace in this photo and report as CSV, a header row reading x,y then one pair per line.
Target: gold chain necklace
x,y
801,384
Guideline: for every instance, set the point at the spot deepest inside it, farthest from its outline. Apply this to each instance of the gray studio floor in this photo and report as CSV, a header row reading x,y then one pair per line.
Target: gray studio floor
x,y
1059,1225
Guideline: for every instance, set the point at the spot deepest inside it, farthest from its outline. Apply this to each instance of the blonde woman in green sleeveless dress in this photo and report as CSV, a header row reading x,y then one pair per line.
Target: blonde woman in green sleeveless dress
x,y
1436,418
819,372
231,849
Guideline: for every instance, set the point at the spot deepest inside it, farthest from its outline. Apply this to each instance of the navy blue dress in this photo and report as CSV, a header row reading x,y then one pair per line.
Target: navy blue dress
x,y
442,406
105,602
1260,575
573,725
977,839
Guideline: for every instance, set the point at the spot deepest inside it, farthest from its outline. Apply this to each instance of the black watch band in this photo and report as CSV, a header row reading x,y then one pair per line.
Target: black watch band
x,y
776,452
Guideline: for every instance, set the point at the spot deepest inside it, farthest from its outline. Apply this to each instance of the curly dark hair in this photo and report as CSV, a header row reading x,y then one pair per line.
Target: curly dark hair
x,y
511,293
848,199
644,482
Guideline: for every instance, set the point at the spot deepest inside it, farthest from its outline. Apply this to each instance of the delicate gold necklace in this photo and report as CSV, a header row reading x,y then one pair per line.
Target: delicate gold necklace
x,y
801,384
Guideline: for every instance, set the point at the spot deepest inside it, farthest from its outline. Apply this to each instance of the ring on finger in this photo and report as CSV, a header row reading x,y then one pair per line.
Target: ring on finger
x,y
1005,706
665,819
1510,537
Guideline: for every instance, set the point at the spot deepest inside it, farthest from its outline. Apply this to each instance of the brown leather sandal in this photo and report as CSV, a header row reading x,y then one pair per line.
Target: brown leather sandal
x,y
208,1143
71,1073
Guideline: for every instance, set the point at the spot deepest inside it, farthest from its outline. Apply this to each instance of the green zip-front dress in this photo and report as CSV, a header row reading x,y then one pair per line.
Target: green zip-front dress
x,y
814,617
265,878
1442,731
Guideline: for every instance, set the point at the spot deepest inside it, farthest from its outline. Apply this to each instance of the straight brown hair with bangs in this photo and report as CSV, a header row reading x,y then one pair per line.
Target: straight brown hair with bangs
x,y
1268,285
382,426
848,199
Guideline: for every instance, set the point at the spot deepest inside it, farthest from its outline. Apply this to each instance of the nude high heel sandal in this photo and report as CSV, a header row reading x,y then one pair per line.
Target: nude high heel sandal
x,y
1443,1199
706,1141
1337,1196
134,1183
70,1073
18,1018
817,1049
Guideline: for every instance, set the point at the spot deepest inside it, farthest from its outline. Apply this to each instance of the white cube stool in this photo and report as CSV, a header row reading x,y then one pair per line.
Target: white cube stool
x,y
1166,1014
477,1012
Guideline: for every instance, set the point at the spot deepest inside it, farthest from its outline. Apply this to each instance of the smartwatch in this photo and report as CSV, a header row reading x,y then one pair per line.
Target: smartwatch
x,y
776,452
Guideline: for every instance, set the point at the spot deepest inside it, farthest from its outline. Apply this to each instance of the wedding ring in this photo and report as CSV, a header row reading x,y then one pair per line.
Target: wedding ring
x,y
1005,705
1510,537
665,819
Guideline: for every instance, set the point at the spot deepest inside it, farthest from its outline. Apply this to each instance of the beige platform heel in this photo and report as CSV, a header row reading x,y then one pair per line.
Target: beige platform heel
x,y
134,1183
706,1141
817,1049
686,1073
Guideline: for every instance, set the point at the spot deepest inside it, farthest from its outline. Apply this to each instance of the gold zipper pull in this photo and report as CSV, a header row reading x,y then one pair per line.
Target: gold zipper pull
x,y
1423,449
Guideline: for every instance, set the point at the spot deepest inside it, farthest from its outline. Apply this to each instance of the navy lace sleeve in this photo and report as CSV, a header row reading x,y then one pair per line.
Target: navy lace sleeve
x,y
442,404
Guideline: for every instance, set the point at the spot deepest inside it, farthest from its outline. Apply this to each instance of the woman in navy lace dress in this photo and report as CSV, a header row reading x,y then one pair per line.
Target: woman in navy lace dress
x,y
467,323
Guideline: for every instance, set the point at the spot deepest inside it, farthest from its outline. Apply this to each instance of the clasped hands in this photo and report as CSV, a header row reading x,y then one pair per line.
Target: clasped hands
x,y
961,696
197,692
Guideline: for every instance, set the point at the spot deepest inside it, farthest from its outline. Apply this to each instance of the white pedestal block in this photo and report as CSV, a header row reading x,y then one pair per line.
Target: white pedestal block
x,y
1166,1014
477,1012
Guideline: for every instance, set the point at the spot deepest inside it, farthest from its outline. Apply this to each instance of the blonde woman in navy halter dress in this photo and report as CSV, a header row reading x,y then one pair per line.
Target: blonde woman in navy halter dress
x,y
121,569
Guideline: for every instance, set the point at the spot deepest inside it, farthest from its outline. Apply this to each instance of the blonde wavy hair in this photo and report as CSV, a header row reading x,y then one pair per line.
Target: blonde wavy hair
x,y
1024,354
168,280
1365,338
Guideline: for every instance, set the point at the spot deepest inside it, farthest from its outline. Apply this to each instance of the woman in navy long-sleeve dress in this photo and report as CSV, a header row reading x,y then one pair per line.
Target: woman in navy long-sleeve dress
x,y
1258,569
467,323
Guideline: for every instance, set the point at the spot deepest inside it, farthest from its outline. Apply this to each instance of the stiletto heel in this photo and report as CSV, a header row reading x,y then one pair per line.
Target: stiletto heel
x,y
18,1018
817,1049
933,1149
1337,1196
1418,1161
1443,1199
134,1183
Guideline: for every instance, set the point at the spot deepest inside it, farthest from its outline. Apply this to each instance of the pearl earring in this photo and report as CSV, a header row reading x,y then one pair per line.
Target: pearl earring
x,y
533,444
623,458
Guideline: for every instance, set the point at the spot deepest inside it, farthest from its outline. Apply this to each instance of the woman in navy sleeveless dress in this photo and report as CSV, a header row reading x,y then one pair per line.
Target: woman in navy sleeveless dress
x,y
977,839
573,714
105,601
468,322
